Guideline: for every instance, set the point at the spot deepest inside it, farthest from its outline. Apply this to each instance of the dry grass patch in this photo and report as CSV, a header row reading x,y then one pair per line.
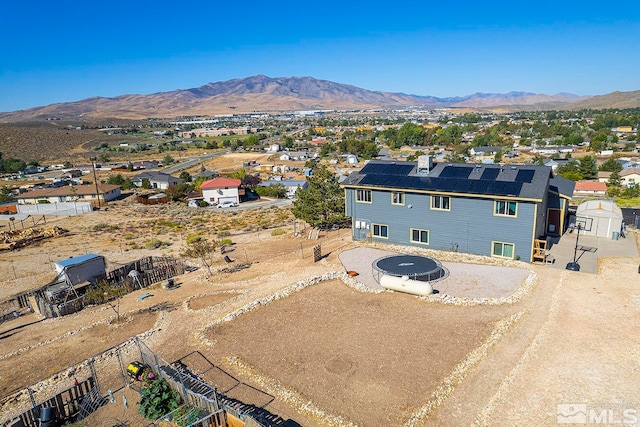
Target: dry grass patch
x,y
204,301
40,356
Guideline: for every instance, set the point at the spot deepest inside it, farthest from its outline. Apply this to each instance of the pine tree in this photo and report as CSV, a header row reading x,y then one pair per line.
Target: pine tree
x,y
322,202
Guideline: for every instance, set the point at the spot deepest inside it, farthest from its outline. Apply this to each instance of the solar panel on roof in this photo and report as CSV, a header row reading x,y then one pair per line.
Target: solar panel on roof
x,y
490,174
455,172
387,168
525,175
477,186
450,184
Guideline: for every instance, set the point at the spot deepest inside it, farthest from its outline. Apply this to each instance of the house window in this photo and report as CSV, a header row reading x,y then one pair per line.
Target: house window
x,y
363,196
397,198
506,208
380,230
442,203
502,250
419,236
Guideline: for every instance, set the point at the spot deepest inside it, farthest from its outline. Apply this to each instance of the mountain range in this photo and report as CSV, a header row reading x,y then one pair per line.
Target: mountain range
x,y
266,94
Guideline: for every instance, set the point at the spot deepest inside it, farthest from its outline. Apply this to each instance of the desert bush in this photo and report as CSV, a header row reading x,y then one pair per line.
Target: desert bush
x,y
165,223
278,232
155,244
104,291
103,226
193,237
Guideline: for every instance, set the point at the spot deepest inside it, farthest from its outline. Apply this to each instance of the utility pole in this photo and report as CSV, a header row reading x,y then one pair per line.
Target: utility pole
x,y
95,179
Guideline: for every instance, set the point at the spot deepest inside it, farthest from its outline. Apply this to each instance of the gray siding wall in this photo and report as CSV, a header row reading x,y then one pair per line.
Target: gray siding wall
x,y
541,224
554,201
470,226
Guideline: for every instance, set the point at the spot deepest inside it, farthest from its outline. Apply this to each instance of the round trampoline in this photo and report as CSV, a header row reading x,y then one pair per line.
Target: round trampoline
x,y
415,267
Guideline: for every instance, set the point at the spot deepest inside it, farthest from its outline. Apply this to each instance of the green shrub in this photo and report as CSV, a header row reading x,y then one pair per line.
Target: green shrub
x,y
194,237
158,399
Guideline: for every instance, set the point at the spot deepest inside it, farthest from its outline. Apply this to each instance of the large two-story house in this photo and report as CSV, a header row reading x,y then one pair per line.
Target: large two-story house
x,y
494,210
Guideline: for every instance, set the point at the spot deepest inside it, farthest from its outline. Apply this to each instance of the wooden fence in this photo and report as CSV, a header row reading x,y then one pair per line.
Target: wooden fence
x,y
152,270
146,200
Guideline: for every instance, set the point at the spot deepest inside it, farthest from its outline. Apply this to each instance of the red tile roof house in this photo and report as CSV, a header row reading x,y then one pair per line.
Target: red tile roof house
x,y
218,190
590,188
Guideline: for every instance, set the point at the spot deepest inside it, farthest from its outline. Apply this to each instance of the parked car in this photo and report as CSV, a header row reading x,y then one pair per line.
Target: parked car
x,y
227,205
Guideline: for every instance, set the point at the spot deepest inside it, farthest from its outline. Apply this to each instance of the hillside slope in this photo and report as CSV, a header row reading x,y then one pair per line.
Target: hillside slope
x,y
262,93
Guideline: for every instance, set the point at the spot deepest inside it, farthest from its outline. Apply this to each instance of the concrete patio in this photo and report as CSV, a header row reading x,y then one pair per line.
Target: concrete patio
x,y
590,249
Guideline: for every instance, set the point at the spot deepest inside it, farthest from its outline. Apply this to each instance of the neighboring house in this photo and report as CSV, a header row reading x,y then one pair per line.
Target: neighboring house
x,y
553,149
218,190
292,186
145,164
159,180
554,164
622,131
628,164
630,177
70,193
480,152
294,155
491,210
590,188
603,176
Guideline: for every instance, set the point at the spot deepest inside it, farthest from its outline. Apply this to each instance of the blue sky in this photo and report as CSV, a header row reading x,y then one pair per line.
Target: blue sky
x,y
70,50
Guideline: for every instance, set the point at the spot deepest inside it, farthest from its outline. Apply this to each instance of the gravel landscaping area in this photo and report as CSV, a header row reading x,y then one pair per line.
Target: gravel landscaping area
x,y
466,280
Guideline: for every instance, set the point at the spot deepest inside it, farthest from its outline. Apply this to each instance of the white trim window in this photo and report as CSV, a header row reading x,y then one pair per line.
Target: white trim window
x,y
441,203
503,250
419,236
363,196
380,230
505,208
397,198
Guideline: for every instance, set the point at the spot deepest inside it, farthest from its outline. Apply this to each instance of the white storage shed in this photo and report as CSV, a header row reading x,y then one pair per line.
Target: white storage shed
x,y
600,218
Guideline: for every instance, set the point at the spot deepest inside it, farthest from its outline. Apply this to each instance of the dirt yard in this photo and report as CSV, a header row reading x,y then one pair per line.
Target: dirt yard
x,y
367,358
331,354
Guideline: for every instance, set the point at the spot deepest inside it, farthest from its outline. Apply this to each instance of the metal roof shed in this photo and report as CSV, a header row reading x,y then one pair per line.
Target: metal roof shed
x,y
88,267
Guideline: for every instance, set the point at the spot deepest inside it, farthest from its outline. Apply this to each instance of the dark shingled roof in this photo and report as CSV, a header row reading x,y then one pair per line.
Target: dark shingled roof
x,y
562,186
521,181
